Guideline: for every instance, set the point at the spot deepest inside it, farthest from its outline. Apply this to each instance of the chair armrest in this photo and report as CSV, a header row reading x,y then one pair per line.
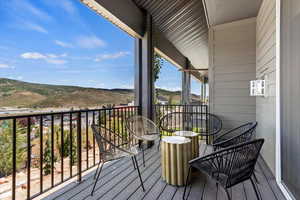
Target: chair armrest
x,y
224,134
213,155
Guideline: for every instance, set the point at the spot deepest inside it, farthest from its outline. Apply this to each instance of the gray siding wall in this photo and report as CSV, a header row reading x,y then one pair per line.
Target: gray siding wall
x,y
266,69
232,66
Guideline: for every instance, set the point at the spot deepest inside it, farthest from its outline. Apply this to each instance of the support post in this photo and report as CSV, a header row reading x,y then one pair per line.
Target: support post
x,y
147,52
144,86
138,75
186,85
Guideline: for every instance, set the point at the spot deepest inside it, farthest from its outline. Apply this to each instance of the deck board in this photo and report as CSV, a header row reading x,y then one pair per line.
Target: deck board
x,y
120,181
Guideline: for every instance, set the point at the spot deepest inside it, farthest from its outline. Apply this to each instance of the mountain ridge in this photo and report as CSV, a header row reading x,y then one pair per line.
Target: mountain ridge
x,y
15,93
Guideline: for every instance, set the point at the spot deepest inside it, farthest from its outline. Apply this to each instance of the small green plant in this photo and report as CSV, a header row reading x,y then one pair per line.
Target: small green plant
x,y
64,148
47,158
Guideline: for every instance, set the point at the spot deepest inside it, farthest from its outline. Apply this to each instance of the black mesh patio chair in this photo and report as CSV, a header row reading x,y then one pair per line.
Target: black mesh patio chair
x,y
113,147
142,129
229,166
234,136
205,124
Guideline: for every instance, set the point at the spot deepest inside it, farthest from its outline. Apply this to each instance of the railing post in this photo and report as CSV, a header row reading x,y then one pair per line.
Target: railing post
x,y
28,156
79,146
207,123
14,160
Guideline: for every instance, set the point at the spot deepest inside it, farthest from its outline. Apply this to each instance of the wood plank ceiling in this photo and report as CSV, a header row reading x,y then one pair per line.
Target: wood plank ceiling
x,y
183,22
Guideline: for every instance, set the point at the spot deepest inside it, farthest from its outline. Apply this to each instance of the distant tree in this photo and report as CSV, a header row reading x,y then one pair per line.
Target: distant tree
x,y
64,147
47,157
6,153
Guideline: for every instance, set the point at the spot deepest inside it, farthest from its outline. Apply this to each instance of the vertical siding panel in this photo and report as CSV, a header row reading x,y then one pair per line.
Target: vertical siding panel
x,y
232,63
265,65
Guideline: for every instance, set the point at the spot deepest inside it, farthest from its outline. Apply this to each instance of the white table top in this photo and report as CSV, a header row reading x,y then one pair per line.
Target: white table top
x,y
176,140
185,133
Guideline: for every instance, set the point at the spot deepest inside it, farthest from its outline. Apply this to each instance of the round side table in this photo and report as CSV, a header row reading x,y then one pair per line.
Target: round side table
x,y
175,154
194,137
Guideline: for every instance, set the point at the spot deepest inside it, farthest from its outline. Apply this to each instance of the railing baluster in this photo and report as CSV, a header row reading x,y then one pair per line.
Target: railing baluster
x,y
105,126
62,146
123,124
14,158
114,125
207,125
94,153
87,138
71,144
41,153
118,127
79,146
52,150
109,124
28,155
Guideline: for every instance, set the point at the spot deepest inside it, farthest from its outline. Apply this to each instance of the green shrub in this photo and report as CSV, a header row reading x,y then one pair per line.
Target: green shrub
x,y
47,157
6,153
64,148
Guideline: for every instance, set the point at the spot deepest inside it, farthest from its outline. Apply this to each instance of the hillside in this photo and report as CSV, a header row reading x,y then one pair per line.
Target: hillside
x,y
21,94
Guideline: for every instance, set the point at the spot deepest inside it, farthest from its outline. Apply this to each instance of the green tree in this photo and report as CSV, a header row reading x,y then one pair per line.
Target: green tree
x,y
6,153
64,147
158,63
47,158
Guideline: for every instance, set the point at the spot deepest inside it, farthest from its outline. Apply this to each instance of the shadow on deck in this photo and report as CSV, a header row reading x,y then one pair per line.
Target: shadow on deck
x,y
119,180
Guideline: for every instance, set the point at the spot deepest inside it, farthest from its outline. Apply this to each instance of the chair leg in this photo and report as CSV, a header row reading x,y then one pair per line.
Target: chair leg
x,y
97,180
186,182
133,163
137,167
255,189
228,195
97,169
158,143
256,180
217,185
144,157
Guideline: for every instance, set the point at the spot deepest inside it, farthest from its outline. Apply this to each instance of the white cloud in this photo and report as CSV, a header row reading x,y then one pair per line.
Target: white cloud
x,y
50,58
63,44
33,55
35,11
6,66
56,61
111,56
68,6
20,77
90,42
34,27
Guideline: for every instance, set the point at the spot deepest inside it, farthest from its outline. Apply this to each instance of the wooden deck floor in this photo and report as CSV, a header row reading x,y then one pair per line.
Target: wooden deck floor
x,y
119,180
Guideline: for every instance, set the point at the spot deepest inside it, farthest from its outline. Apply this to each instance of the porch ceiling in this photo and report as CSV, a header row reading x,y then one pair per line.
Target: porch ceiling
x,y
183,23
220,11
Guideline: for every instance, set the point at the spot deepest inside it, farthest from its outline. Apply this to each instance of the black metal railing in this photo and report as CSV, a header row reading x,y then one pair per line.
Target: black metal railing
x,y
51,148
182,117
43,150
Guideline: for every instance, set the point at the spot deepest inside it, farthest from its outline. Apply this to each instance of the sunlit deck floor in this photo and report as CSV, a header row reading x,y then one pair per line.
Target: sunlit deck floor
x,y
119,180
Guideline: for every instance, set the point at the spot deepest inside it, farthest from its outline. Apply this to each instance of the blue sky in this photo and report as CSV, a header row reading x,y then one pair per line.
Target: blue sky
x,y
63,42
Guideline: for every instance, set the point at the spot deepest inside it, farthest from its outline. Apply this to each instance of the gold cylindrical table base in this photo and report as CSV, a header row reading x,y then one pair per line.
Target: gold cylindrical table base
x,y
175,154
194,137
